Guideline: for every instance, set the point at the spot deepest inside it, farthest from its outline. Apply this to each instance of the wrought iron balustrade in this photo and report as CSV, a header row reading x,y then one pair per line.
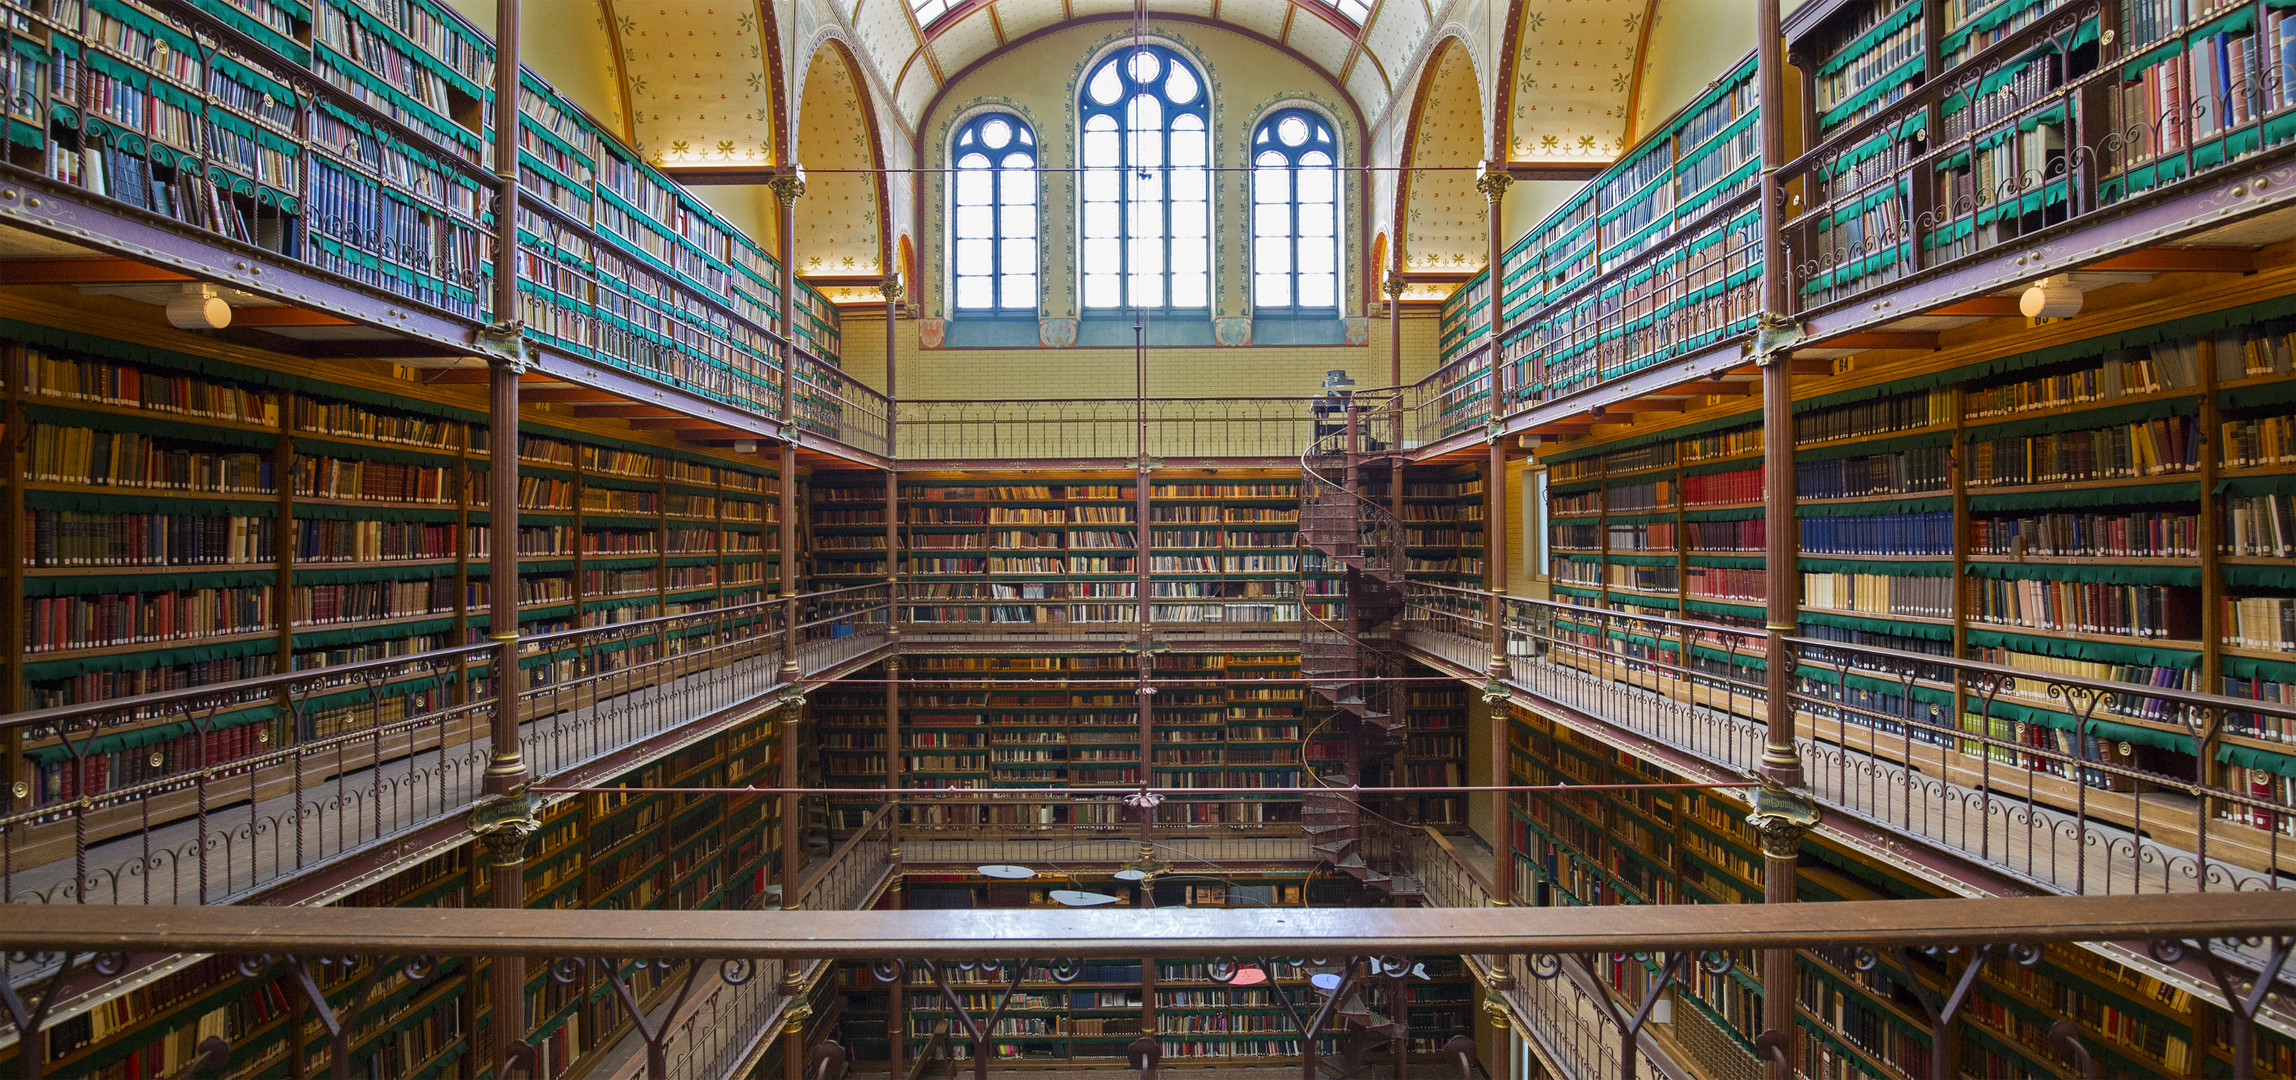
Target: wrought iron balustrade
x,y
1916,745
341,950
117,806
1257,430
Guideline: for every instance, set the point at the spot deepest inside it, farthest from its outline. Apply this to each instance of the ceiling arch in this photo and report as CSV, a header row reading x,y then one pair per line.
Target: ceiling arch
x,y
1439,214
699,85
843,229
1571,79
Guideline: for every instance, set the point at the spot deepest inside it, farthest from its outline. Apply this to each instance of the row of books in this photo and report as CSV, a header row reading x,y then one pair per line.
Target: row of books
x,y
54,623
121,459
2147,611
2151,448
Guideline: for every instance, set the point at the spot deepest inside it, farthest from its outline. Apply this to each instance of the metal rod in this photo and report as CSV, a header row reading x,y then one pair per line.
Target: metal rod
x,y
1116,792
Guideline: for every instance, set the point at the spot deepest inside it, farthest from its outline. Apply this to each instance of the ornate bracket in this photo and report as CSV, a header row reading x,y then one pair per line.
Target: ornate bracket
x,y
504,342
1775,338
504,823
789,187
1492,180
1780,818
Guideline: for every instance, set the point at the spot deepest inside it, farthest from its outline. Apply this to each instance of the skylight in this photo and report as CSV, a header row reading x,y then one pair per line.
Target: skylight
x,y
929,10
1355,10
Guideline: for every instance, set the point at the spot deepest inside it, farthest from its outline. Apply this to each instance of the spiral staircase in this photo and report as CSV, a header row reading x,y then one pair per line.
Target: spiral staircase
x,y
1353,660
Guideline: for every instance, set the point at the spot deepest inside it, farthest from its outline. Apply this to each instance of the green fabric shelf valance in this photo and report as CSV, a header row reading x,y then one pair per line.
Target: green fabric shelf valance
x,y
110,743
1867,566
611,562
621,483
1743,513
1875,684
352,635
1740,608
1584,594
1722,423
159,425
127,502
2283,484
617,519
2092,572
2249,667
2249,757
1877,625
2094,651
345,575
1638,519
1842,508
1631,559
2004,709
1662,603
1574,487
481,568
1578,557
138,661
156,579
1924,441
2247,401
2133,413
314,445
378,512
1733,562
2120,495
1711,468
2142,736
365,697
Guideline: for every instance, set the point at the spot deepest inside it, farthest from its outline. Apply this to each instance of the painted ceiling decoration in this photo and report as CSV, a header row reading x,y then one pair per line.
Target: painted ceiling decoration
x,y
1443,214
695,77
840,224
1573,78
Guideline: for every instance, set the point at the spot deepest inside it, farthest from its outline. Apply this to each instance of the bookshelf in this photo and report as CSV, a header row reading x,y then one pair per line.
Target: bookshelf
x,y
1082,1024
1442,525
298,525
381,179
1647,262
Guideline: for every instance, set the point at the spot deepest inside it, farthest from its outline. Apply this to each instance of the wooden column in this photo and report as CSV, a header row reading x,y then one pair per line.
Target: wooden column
x,y
13,555
1394,287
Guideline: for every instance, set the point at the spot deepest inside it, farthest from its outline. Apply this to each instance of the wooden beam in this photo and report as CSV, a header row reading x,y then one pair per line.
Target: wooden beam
x,y
1879,339
626,410
1643,405
578,394
684,423
284,316
99,270
479,376
1979,305
2169,259
1702,387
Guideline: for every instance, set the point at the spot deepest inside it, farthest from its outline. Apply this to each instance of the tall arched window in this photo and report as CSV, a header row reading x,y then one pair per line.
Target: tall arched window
x,y
994,215
1145,200
1295,213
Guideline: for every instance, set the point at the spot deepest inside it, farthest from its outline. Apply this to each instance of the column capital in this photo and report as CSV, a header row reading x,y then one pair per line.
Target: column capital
x,y
891,285
788,186
504,823
1492,180
1780,818
1394,286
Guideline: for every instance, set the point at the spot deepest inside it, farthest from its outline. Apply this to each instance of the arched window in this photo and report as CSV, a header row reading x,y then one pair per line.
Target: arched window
x,y
993,215
1145,201
1295,213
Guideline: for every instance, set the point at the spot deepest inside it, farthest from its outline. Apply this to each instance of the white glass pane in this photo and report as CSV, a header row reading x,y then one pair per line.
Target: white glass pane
x,y
1319,290
1145,66
1106,85
1017,190
1291,132
1147,150
1147,256
1181,87
1317,221
974,187
1271,220
1188,254
996,133
1027,139
1147,290
1269,158
1019,291
1101,185
1100,291
1315,185
1144,114
1019,255
1017,160
1190,185
976,292
1271,187
1188,147
1271,290
1318,253
1315,159
973,256
1191,290
1189,219
1019,221
1271,255
1100,219
974,221
1101,256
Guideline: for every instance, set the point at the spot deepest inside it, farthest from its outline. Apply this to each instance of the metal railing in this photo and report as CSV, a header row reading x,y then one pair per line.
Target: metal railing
x,y
1243,428
1538,946
1918,745
349,757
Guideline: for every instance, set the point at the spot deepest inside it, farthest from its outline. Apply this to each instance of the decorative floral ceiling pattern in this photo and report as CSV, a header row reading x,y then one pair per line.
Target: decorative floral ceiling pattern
x,y
1574,73
838,222
695,76
1443,214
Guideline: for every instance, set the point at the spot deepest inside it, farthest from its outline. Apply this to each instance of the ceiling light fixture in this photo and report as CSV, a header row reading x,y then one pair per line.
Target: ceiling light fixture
x,y
198,308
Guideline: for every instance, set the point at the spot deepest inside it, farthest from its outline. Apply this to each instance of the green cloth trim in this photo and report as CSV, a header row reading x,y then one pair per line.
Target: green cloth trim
x,y
1923,441
1722,423
1587,594
377,512
374,697
1863,566
1711,468
1733,562
2245,401
150,580
2117,416
1640,560
2096,572
158,425
1639,519
351,635
1724,607
2260,577
345,575
138,661
314,444
1874,625
2094,651
2130,495
2284,484
1743,513
2253,758
1846,508
89,502
2249,667
2142,736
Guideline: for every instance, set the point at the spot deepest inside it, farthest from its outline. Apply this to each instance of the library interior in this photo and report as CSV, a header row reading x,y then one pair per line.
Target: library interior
x,y
903,642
